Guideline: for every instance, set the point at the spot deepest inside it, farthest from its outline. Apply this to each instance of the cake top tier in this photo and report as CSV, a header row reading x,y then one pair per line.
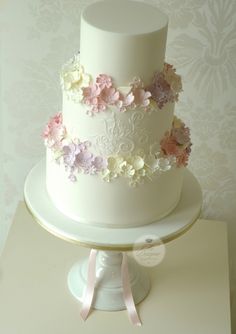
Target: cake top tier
x,y
123,39
124,17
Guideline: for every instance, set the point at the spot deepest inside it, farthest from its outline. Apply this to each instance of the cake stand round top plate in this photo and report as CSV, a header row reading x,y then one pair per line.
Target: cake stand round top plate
x,y
166,229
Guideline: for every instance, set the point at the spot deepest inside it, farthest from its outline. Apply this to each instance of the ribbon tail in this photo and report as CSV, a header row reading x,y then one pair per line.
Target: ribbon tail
x,y
91,280
127,293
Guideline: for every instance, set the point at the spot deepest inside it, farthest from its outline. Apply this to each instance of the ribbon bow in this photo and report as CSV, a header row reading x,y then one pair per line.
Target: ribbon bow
x,y
127,292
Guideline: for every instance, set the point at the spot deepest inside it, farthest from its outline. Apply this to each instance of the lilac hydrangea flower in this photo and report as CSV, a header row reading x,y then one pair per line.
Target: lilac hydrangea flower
x,y
161,90
182,135
70,152
78,158
84,161
99,163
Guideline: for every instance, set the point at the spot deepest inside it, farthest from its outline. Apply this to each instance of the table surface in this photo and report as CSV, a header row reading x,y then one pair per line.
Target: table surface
x,y
189,294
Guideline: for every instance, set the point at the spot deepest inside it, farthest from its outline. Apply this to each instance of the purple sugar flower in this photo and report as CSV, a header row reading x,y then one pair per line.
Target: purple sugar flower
x,y
181,135
84,160
77,158
84,145
99,163
161,90
69,154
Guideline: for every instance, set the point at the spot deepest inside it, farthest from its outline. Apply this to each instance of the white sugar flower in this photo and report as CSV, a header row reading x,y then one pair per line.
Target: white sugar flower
x,y
106,175
142,172
152,162
164,164
129,171
137,162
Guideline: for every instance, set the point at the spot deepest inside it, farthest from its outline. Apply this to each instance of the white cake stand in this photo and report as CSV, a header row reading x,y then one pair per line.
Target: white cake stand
x,y
110,242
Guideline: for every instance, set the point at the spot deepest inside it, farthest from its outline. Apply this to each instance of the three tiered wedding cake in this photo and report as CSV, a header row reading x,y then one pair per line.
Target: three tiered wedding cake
x,y
116,154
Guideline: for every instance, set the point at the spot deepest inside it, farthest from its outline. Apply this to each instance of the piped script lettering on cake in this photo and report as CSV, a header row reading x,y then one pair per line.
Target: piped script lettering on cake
x,y
116,154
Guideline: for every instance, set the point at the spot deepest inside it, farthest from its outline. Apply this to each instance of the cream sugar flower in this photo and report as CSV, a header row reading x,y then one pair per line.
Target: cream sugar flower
x,y
114,168
116,164
74,78
129,171
129,167
173,79
177,123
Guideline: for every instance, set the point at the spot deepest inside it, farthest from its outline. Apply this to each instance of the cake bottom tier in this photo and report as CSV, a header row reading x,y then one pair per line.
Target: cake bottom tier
x,y
91,200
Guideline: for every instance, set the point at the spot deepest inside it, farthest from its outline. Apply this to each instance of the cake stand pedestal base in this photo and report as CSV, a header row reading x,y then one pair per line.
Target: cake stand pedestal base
x,y
109,288
111,242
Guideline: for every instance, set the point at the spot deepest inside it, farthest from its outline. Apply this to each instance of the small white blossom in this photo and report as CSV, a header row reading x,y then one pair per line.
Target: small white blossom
x,y
129,171
164,164
137,162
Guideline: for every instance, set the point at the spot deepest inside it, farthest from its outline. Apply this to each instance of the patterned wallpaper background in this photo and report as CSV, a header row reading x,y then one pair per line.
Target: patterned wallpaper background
x,y
38,36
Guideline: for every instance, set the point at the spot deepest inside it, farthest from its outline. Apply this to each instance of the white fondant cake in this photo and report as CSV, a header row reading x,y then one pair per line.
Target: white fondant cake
x,y
116,154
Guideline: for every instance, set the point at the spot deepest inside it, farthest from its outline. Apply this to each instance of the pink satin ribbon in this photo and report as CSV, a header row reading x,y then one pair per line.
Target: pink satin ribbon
x,y
91,280
127,292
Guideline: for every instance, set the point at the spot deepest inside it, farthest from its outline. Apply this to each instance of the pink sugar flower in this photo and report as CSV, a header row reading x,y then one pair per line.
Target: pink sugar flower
x,y
177,143
109,96
54,121
54,132
136,83
103,81
100,106
169,145
125,101
91,94
141,97
182,158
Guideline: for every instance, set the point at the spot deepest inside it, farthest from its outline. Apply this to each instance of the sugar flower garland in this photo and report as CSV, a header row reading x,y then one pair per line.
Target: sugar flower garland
x,y
76,156
101,93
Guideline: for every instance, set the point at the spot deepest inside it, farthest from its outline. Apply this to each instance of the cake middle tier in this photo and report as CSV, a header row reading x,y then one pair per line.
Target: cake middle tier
x,y
113,132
